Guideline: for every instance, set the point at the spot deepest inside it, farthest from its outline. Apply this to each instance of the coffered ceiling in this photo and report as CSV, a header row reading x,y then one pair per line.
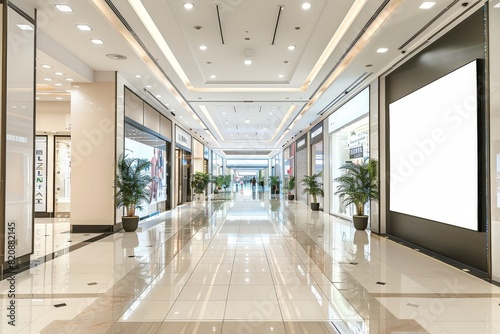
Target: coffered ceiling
x,y
195,61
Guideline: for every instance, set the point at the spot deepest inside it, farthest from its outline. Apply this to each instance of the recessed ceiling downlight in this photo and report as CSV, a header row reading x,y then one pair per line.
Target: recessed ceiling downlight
x,y
188,5
248,62
306,6
116,56
64,8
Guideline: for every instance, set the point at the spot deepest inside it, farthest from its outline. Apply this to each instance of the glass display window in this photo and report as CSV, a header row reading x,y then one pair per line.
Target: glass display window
x,y
349,144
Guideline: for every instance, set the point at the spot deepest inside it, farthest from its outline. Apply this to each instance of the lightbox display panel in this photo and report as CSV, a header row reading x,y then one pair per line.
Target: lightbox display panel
x,y
434,150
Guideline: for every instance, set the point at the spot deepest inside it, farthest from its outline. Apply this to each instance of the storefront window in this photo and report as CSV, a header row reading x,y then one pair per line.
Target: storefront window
x,y
143,145
348,145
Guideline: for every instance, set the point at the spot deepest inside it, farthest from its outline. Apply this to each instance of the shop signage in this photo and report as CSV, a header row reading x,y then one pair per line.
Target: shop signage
x,y
316,133
356,152
301,143
41,174
182,138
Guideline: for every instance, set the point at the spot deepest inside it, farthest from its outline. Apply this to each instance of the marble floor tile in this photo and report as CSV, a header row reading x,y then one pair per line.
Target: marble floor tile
x,y
197,310
253,311
253,327
252,267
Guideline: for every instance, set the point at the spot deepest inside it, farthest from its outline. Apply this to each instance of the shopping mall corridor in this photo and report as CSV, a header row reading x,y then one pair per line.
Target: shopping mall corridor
x,y
248,265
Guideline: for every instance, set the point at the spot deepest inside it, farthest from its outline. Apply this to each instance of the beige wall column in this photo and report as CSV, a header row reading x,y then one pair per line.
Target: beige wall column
x,y
93,136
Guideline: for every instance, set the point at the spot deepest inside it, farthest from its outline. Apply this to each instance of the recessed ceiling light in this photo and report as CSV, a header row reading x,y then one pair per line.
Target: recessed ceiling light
x,y
270,113
291,47
46,66
247,121
58,84
427,5
59,98
203,47
69,79
148,86
187,122
138,76
181,116
189,5
59,73
64,8
158,96
47,79
25,27
97,41
248,62
382,50
306,5
84,27
213,76
281,75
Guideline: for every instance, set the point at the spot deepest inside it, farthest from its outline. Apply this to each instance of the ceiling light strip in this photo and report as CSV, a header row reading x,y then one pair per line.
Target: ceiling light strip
x,y
205,112
350,56
280,9
108,12
337,37
284,120
219,21
153,30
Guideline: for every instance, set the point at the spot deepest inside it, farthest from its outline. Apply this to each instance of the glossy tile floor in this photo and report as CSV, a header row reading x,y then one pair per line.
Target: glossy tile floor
x,y
250,265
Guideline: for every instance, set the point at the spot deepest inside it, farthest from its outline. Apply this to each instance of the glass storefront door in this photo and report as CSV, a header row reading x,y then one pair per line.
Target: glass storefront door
x,y
183,180
62,176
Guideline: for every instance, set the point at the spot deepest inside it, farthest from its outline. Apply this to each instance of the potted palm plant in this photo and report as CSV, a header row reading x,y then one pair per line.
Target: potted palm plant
x,y
131,184
219,182
357,185
314,188
290,186
199,182
274,182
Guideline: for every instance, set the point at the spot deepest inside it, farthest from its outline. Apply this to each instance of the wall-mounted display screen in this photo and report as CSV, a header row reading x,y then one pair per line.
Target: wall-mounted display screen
x,y
434,150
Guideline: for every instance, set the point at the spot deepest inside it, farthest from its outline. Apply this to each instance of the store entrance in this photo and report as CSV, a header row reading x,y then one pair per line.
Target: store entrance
x,y
183,171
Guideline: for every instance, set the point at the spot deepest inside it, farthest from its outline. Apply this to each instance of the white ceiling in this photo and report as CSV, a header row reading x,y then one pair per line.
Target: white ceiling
x,y
244,108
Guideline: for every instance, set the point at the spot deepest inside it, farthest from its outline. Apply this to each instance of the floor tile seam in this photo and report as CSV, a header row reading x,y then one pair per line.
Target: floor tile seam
x,y
466,295
54,295
132,299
